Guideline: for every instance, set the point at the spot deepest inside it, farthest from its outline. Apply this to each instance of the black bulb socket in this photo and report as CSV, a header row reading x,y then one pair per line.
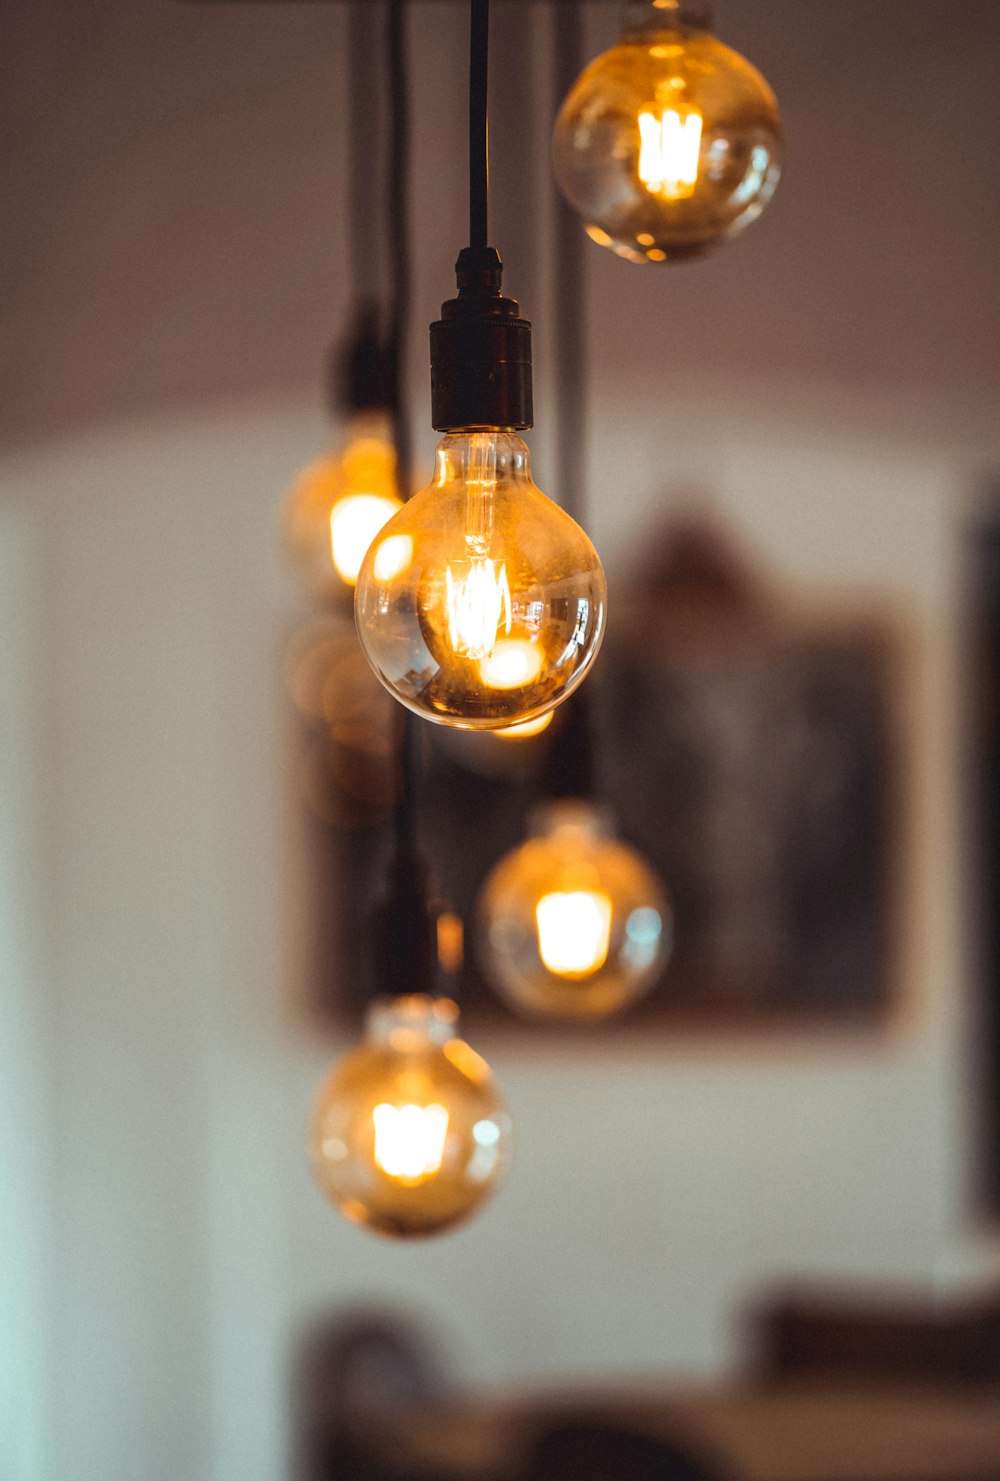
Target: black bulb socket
x,y
362,373
480,353
404,933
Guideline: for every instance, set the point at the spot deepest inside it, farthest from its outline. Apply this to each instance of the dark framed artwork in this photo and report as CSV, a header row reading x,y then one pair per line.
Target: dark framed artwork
x,y
982,833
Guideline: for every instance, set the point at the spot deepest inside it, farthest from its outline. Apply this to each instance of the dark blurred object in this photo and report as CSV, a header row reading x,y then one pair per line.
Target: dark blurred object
x,y
358,1371
982,815
816,1428
891,1341
753,762
601,1452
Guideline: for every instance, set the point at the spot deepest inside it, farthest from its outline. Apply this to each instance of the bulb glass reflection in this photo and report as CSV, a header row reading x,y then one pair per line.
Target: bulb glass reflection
x,y
572,923
340,503
670,143
409,1132
481,604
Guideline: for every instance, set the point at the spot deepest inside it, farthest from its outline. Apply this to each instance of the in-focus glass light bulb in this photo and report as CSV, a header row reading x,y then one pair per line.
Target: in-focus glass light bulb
x,y
481,604
670,143
341,502
572,923
409,1132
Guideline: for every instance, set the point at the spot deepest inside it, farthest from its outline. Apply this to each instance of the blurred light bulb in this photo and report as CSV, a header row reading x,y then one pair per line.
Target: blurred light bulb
x,y
481,604
670,143
572,923
409,1133
340,503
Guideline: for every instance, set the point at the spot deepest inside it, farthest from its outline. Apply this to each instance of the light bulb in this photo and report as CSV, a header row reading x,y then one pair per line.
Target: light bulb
x,y
670,143
481,604
409,1132
572,923
340,503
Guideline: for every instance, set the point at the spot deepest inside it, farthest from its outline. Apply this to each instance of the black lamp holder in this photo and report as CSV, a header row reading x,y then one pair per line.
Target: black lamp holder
x,y
480,346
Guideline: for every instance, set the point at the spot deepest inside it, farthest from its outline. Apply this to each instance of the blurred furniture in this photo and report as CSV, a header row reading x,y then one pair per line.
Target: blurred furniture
x,y
794,1431
594,1452
358,1370
886,1339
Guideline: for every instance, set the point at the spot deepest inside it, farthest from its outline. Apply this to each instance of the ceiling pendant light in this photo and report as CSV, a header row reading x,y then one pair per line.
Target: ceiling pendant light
x,y
481,604
409,1133
572,924
670,143
339,503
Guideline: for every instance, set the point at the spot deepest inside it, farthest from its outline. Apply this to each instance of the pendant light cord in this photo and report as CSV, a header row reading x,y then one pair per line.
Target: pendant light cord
x,y
479,169
571,764
569,293
362,161
398,213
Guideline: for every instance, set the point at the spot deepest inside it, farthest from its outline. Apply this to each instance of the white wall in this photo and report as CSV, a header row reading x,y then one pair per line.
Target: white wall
x,y
657,1185
25,1038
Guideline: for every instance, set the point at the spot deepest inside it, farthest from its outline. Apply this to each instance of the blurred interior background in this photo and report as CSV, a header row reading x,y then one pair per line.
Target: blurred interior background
x,y
174,248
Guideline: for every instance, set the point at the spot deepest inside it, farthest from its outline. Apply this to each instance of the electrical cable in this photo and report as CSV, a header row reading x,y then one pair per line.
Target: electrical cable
x,y
571,766
570,316
479,169
398,215
408,939
362,161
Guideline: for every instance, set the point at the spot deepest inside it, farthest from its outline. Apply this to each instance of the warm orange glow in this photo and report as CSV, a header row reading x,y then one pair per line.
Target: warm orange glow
x,y
512,663
478,598
574,930
669,146
355,520
409,1140
450,941
526,729
339,504
498,607
393,557
409,1133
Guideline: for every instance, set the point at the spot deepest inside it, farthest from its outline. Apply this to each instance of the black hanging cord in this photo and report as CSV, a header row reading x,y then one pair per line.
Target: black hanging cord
x,y
359,365
568,273
570,767
397,178
406,928
362,162
398,216
479,169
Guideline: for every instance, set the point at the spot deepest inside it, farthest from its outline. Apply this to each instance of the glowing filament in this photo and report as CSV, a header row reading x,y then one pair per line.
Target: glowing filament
x,y
574,931
669,147
477,594
354,522
409,1140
